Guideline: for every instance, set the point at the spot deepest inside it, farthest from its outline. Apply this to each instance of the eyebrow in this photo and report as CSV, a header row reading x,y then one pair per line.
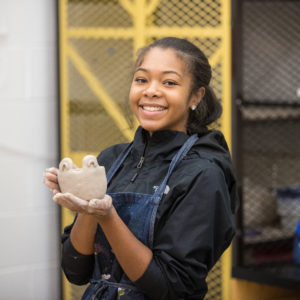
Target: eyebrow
x,y
164,72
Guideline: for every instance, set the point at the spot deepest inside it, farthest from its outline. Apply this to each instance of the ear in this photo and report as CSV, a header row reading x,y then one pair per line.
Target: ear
x,y
197,97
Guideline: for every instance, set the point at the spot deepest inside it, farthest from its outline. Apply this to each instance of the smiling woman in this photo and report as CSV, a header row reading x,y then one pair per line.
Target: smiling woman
x,y
160,92
192,72
167,217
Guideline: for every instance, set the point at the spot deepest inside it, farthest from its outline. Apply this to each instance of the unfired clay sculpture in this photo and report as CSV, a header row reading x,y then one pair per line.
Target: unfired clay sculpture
x,y
86,183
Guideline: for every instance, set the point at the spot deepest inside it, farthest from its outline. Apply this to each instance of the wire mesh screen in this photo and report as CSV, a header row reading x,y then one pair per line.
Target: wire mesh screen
x,y
186,12
214,284
91,128
271,49
99,39
94,13
270,145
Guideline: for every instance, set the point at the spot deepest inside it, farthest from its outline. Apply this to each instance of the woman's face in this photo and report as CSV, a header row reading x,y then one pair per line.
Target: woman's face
x,y
160,91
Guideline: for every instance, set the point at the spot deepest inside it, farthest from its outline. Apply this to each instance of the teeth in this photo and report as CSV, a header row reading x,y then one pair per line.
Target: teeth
x,y
153,108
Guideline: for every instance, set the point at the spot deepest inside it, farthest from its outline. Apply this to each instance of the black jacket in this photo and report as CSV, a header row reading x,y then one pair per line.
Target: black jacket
x,y
194,223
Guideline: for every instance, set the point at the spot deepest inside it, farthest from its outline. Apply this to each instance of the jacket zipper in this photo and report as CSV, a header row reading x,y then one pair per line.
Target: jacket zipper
x,y
139,166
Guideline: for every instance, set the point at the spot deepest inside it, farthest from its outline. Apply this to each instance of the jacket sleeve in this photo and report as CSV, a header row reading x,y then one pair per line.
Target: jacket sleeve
x,y
189,241
77,267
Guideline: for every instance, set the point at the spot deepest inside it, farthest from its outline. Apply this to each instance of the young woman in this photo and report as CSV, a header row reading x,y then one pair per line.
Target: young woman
x,y
167,217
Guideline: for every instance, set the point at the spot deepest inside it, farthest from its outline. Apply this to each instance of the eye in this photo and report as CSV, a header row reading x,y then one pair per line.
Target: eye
x,y
140,80
170,82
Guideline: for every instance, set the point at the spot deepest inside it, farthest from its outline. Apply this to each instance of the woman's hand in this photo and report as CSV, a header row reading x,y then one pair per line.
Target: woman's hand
x,y
95,207
51,180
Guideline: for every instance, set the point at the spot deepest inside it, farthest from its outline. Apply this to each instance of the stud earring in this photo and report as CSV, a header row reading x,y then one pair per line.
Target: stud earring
x,y
194,107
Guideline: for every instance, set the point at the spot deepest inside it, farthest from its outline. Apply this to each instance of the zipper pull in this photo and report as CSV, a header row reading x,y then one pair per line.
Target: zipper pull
x,y
134,177
140,164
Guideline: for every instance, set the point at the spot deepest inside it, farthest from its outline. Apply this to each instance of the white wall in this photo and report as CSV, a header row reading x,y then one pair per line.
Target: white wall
x,y
29,240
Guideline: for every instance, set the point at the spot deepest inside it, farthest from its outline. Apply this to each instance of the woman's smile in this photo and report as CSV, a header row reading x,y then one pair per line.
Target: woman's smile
x,y
152,108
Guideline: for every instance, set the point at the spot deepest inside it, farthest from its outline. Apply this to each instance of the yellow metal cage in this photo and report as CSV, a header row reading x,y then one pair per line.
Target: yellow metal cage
x,y
98,43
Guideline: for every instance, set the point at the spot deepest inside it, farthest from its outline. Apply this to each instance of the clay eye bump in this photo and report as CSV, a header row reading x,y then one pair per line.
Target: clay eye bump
x,y
92,164
66,164
90,161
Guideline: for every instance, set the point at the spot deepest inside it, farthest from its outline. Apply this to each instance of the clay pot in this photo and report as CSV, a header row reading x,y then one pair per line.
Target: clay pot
x,y
86,183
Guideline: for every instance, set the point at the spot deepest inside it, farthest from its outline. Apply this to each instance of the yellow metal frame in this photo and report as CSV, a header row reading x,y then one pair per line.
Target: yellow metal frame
x,y
139,10
226,126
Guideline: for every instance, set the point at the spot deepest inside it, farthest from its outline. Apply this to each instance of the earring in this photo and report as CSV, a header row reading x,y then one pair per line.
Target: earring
x,y
194,107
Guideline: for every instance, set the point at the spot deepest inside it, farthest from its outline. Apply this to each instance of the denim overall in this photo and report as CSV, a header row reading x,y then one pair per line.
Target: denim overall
x,y
138,212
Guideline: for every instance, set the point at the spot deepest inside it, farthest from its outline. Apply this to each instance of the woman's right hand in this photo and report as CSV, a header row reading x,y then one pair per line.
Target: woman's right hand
x,y
51,180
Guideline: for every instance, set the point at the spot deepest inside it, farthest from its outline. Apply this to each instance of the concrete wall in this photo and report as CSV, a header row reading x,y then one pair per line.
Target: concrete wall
x,y
29,251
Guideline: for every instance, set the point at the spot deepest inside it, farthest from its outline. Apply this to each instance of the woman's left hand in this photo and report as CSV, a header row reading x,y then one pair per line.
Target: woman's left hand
x,y
96,207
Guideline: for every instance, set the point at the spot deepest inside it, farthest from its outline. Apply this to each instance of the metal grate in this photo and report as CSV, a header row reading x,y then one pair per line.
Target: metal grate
x,y
91,128
213,283
98,42
270,125
271,160
94,13
271,43
186,12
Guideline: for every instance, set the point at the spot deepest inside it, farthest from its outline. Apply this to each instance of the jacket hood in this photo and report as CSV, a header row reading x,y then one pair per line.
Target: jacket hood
x,y
213,147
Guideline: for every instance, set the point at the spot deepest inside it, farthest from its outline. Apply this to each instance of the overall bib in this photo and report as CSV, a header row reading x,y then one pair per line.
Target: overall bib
x,y
138,212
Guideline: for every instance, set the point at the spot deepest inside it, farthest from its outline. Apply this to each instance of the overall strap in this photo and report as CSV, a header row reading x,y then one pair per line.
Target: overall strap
x,y
118,162
176,159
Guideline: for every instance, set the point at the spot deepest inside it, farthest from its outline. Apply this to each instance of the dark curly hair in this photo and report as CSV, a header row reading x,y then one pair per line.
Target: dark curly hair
x,y
209,108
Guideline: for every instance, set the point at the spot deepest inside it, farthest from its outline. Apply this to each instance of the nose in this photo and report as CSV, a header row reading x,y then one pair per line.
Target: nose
x,y
152,90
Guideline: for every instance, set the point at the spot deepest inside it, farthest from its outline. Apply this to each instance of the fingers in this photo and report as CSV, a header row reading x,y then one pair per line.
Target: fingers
x,y
71,202
53,187
52,170
97,207
101,207
64,201
51,174
51,181
55,191
77,201
102,204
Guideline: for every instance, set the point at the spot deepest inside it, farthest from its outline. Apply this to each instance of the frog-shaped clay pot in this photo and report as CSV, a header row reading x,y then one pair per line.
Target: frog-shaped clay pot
x,y
86,183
